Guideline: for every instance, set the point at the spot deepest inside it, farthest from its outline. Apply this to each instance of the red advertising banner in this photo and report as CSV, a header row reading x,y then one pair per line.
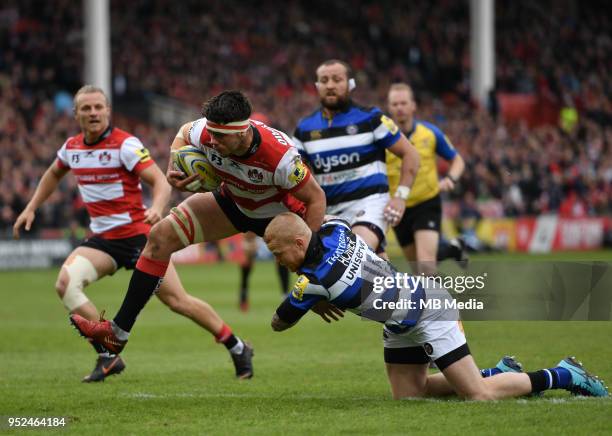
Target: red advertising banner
x,y
550,233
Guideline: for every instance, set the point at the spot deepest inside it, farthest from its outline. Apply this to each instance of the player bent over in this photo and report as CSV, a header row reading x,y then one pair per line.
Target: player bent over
x,y
109,164
337,265
262,175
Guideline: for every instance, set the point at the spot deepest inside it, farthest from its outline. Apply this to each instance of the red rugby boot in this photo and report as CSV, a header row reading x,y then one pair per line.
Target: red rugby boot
x,y
100,332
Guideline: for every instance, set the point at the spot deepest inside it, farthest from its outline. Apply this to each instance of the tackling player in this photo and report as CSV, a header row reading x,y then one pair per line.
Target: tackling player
x,y
337,265
418,232
263,175
345,144
109,164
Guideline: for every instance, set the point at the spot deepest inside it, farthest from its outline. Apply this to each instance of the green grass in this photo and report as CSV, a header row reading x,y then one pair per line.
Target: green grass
x,y
314,378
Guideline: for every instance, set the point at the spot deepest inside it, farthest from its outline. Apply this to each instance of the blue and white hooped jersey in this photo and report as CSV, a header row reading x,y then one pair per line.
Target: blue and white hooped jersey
x,y
347,153
340,267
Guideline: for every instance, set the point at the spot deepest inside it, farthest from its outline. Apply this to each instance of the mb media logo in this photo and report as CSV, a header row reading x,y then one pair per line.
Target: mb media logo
x,y
329,162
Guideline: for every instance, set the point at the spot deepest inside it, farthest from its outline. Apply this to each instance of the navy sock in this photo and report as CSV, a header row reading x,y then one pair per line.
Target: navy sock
x,y
489,372
561,377
551,378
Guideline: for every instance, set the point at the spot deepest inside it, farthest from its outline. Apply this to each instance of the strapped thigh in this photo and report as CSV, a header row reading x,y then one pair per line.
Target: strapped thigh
x,y
186,224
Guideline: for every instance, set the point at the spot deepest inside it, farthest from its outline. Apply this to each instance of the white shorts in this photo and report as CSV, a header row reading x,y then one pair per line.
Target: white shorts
x,y
369,209
438,336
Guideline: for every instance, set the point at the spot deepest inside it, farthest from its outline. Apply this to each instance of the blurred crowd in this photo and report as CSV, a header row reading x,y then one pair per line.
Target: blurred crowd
x,y
560,51
529,170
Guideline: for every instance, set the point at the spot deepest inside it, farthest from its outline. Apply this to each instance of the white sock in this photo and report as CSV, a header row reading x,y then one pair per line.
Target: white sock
x,y
121,334
237,349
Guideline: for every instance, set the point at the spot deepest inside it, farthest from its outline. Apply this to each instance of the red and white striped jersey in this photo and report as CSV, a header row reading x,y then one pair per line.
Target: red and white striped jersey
x,y
107,176
261,182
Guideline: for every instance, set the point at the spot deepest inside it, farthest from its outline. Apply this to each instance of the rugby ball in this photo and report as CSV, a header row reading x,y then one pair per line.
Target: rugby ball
x,y
191,160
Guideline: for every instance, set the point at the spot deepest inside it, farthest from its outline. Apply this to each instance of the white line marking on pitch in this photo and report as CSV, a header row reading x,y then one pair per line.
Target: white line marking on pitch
x,y
147,396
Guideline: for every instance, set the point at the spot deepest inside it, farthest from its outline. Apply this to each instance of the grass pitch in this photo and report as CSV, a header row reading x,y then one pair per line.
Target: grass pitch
x,y
315,378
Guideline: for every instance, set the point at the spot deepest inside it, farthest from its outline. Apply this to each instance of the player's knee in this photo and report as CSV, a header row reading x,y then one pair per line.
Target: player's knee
x,y
60,285
162,241
156,237
480,393
72,280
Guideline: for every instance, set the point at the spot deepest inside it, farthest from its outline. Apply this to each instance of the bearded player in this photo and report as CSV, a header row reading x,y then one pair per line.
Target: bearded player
x,y
344,144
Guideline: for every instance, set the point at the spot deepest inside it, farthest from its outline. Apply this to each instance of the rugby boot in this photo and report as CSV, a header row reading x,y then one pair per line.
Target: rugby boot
x,y
243,362
582,382
105,367
100,332
509,364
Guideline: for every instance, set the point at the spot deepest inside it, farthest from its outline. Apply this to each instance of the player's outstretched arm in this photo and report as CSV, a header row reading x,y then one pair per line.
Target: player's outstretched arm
x,y
175,178
327,311
48,183
278,325
161,193
288,314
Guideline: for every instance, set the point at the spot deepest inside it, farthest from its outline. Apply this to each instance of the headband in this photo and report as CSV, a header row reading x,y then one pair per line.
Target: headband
x,y
231,127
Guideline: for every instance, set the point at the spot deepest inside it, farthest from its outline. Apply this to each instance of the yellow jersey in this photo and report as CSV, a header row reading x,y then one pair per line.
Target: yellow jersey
x,y
429,141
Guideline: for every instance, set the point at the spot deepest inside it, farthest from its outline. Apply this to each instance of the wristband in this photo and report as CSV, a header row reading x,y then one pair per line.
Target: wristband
x,y
452,178
402,192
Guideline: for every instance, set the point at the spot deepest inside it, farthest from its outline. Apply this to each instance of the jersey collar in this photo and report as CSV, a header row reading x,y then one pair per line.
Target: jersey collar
x,y
101,138
314,252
